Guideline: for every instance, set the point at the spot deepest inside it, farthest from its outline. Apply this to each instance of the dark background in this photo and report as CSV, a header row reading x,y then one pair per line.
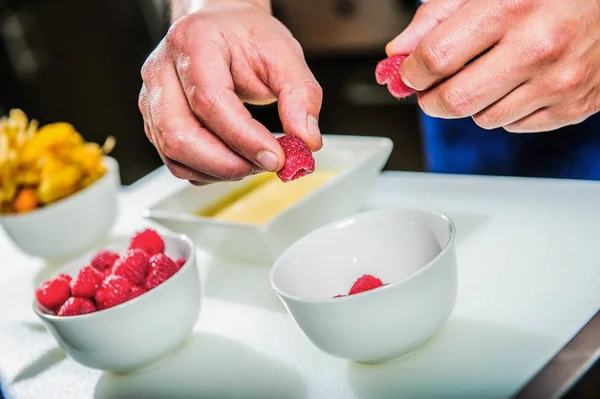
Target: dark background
x,y
79,61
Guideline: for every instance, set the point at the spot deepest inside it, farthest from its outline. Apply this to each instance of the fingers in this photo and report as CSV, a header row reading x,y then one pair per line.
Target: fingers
x,y
542,120
549,118
208,85
479,85
471,30
299,95
518,104
189,150
427,17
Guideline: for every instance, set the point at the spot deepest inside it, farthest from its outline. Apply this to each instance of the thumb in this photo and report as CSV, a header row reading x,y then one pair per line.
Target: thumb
x,y
299,96
428,16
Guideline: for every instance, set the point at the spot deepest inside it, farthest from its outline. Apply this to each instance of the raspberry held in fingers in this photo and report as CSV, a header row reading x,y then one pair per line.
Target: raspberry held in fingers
x,y
388,72
299,160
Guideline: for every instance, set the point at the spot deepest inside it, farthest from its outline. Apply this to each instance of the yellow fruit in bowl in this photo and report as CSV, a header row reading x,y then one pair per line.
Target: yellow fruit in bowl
x,y
39,166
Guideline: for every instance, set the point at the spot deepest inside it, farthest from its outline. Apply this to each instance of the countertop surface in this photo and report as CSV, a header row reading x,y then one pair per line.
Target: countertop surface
x,y
528,281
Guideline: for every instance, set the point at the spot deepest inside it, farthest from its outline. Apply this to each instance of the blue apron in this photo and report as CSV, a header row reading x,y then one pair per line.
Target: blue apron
x,y
460,146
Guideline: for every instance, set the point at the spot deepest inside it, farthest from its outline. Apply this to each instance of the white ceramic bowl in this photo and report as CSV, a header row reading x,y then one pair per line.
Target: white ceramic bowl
x,y
71,225
357,162
412,251
138,332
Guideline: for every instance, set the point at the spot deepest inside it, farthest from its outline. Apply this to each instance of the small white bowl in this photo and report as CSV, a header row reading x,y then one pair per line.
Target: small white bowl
x,y
411,251
138,332
357,162
71,225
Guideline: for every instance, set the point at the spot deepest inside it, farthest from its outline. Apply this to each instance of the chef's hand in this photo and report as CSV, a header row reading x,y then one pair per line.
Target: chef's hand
x,y
195,83
539,64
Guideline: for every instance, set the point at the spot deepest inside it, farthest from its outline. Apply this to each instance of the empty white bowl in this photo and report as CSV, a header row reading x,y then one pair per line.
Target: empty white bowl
x,y
411,251
357,162
71,225
138,332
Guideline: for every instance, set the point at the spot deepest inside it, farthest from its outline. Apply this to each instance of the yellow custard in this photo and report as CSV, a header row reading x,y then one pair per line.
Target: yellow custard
x,y
263,198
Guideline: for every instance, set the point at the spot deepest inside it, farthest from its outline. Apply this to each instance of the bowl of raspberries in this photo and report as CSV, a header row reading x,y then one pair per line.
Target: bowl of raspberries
x,y
373,287
126,305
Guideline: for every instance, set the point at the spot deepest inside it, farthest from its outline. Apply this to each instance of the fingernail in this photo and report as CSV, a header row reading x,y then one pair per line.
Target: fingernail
x,y
268,160
313,127
406,82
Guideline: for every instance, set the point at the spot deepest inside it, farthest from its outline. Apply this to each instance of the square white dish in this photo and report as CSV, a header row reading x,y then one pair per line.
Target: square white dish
x,y
356,160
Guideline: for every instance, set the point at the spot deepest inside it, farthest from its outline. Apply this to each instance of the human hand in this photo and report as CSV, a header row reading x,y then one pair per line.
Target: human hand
x,y
195,83
537,68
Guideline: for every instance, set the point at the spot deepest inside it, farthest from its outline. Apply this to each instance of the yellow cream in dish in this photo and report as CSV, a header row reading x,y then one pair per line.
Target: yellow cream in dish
x,y
264,198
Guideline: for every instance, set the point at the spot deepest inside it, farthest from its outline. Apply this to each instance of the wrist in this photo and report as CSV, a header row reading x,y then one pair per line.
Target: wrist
x,y
179,8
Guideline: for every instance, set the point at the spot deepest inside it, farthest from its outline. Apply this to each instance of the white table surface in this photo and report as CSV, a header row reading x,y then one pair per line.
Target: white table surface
x,y
529,278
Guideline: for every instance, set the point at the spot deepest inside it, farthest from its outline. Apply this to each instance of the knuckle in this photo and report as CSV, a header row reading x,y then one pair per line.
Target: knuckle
x,y
570,79
172,143
517,7
177,170
549,46
147,71
232,171
457,102
573,113
203,100
177,34
314,90
437,58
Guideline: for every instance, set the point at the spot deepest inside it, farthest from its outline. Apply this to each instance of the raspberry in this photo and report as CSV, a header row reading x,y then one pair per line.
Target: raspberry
x,y
53,293
136,291
75,306
180,262
161,268
113,291
104,260
87,282
133,266
365,283
149,241
388,72
65,277
299,160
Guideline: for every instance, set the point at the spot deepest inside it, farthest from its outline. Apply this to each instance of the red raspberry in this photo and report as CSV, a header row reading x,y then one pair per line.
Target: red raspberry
x,y
365,283
149,241
299,160
136,291
104,260
65,277
388,72
133,266
161,268
180,262
75,306
53,293
87,282
113,291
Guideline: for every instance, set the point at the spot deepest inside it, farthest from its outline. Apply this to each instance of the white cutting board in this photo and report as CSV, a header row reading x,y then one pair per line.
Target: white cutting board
x,y
529,278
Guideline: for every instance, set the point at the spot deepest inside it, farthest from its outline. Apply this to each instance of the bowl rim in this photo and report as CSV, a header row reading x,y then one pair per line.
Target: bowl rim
x,y
360,216
383,143
111,168
65,319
